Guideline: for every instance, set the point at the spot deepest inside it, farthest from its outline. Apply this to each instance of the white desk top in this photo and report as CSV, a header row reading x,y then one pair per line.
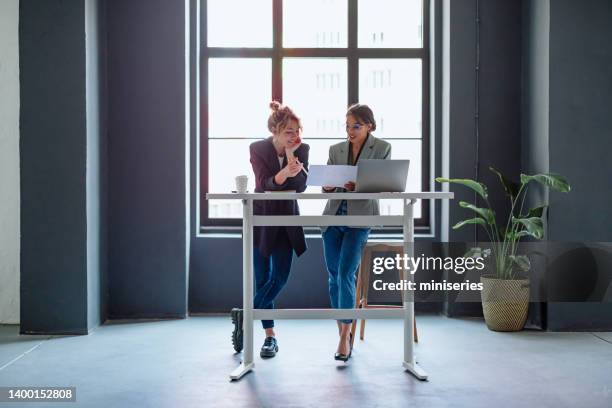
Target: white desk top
x,y
329,196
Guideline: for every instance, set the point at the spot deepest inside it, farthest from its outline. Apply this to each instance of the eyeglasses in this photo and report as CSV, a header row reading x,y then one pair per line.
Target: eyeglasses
x,y
356,126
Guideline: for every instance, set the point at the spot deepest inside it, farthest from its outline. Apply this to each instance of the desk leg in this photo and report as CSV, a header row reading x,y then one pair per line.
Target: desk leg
x,y
247,290
410,363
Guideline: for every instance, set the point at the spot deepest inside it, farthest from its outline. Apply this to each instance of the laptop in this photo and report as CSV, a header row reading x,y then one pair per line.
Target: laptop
x,y
381,176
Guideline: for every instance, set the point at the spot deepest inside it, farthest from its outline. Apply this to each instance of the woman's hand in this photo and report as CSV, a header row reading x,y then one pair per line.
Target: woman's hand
x,y
292,169
350,186
289,150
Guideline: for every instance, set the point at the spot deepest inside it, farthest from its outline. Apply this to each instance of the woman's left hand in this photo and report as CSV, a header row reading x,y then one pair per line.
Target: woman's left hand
x,y
289,150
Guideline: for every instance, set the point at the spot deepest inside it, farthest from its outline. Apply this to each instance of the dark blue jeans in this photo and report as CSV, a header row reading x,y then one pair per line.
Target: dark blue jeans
x,y
342,247
271,274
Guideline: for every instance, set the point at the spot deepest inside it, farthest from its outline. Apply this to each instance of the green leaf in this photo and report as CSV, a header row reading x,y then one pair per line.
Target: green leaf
x,y
554,181
521,261
525,233
475,252
476,220
511,236
510,186
536,212
486,213
533,226
480,188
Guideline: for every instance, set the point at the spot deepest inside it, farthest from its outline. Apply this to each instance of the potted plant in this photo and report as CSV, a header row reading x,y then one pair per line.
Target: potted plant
x,y
505,294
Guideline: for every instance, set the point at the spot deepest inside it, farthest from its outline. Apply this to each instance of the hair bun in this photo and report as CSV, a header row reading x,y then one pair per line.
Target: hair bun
x,y
275,106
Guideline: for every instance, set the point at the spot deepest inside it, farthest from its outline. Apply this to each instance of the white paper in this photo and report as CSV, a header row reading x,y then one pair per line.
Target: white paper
x,y
331,176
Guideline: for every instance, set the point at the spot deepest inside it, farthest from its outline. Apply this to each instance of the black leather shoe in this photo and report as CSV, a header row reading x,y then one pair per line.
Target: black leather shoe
x,y
237,333
269,348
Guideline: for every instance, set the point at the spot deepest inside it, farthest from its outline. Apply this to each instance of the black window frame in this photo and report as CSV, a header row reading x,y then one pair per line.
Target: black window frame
x,y
352,53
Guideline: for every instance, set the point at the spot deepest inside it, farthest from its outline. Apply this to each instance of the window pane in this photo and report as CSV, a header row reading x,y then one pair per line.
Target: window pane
x,y
238,104
221,173
315,23
411,150
239,23
316,89
393,89
390,23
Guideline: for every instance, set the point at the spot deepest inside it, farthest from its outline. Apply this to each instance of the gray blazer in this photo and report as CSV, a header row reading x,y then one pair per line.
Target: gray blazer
x,y
338,154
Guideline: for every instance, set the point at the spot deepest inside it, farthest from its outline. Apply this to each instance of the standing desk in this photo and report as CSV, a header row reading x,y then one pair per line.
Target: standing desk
x,y
249,221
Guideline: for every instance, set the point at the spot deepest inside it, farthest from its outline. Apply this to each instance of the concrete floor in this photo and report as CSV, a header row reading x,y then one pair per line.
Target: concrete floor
x,y
185,363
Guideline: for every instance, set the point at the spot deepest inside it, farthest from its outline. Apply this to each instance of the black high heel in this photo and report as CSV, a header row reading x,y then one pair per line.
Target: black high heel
x,y
345,357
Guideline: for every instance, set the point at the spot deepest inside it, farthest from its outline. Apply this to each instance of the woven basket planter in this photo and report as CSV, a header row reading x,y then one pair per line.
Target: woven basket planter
x,y
505,303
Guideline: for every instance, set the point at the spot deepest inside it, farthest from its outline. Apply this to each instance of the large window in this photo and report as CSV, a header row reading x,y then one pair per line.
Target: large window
x,y
318,57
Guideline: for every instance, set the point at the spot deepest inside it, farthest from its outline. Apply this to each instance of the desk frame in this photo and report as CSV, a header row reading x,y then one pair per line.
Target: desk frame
x,y
249,221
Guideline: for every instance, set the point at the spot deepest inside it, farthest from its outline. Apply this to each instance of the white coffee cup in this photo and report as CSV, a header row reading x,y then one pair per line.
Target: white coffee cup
x,y
241,184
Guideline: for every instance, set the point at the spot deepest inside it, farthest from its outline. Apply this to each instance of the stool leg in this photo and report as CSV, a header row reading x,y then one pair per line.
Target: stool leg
x,y
362,330
357,306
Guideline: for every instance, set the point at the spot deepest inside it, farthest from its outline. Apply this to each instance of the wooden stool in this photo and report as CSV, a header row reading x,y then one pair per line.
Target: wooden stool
x,y
361,302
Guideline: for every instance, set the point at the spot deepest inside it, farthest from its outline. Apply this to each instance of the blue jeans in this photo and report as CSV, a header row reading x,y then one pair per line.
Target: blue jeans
x,y
271,274
342,248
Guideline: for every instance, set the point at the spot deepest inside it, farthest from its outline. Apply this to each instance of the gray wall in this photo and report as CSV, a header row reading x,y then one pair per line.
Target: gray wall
x,y
147,246
567,129
103,157
535,108
580,120
498,90
580,139
60,173
216,277
536,93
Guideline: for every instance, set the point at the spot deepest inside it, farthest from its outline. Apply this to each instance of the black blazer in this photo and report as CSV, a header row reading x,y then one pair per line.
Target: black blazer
x,y
265,166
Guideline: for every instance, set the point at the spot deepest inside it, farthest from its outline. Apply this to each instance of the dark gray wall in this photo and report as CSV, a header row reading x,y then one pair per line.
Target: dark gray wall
x,y
496,97
580,120
462,110
535,109
60,170
147,246
536,94
500,98
498,91
580,139
216,277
